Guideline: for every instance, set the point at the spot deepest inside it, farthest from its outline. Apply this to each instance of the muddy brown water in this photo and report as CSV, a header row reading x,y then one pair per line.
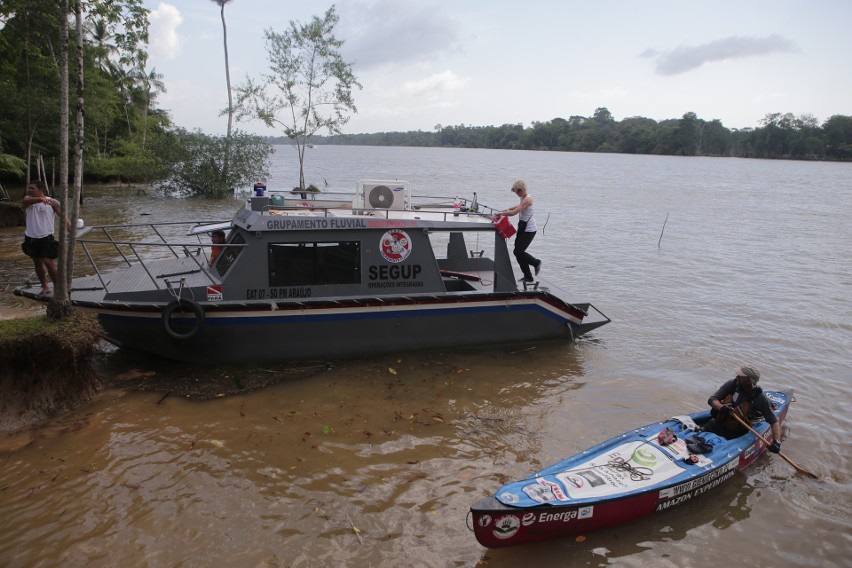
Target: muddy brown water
x,y
376,461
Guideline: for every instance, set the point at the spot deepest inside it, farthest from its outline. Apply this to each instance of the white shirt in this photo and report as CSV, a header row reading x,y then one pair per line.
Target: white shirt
x,y
40,218
527,215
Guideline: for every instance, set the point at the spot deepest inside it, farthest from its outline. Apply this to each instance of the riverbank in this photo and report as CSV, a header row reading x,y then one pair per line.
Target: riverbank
x,y
45,368
49,368
11,214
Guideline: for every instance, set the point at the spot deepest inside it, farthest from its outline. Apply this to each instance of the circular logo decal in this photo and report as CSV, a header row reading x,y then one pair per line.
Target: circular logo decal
x,y
506,527
644,457
509,498
395,245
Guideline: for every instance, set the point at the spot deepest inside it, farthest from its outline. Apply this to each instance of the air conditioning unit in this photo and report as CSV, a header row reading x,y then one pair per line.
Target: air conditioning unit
x,y
382,195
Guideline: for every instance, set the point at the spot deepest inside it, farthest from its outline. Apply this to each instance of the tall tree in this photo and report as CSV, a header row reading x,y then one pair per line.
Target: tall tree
x,y
221,4
153,83
688,135
59,307
76,197
314,83
838,136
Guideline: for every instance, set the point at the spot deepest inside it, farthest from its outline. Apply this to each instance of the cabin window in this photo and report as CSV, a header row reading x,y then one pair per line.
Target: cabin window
x,y
230,254
314,263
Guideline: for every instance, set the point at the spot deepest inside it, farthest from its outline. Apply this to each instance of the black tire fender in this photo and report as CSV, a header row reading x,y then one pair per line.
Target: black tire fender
x,y
179,305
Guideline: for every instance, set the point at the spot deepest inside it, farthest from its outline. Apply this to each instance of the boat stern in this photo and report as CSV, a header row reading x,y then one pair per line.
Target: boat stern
x,y
593,319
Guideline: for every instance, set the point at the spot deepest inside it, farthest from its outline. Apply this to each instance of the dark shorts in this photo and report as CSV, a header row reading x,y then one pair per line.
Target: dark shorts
x,y
45,247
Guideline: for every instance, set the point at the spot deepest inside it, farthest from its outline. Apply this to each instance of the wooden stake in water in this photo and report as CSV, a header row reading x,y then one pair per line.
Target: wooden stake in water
x,y
661,232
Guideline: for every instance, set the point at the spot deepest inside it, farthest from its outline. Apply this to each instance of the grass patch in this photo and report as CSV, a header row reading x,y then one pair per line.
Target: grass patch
x,y
78,332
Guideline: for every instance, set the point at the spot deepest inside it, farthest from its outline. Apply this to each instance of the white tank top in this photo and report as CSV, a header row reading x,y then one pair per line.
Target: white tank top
x,y
527,215
39,221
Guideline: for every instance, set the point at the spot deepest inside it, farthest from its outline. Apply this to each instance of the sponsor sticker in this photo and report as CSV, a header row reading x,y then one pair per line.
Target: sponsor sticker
x,y
667,499
670,492
509,498
214,294
559,516
586,512
506,526
605,475
544,491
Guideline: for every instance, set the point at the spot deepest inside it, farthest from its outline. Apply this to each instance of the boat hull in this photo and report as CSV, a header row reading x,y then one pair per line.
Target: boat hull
x,y
496,524
265,332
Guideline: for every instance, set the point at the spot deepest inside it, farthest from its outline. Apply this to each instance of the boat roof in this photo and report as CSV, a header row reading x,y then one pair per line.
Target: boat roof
x,y
374,204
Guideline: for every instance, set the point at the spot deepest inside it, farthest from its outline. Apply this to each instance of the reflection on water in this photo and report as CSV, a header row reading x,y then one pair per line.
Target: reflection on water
x,y
375,462
394,447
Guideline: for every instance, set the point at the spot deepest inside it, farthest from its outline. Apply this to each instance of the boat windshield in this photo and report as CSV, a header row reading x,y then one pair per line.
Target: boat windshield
x,y
230,254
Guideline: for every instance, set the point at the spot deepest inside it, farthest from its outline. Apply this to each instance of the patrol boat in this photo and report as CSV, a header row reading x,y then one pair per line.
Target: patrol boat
x,y
329,275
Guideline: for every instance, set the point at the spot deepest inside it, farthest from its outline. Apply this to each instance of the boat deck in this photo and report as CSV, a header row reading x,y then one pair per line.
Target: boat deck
x,y
174,274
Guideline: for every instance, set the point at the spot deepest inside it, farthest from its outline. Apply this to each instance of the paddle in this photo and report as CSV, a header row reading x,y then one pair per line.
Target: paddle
x,y
788,460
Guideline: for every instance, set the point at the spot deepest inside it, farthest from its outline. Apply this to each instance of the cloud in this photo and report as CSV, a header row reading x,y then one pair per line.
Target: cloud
x,y
599,95
164,40
768,97
687,58
438,83
384,32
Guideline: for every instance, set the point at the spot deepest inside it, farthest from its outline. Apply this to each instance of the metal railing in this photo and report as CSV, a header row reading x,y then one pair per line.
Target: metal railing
x,y
135,255
324,204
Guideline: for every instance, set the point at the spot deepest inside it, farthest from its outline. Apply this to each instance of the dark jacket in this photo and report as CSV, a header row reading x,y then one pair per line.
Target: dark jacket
x,y
758,403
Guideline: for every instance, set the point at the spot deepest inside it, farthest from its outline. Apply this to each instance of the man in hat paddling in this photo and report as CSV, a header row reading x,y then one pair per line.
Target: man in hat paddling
x,y
742,395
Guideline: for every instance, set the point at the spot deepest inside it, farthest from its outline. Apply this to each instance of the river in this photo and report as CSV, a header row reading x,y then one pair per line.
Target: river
x,y
703,264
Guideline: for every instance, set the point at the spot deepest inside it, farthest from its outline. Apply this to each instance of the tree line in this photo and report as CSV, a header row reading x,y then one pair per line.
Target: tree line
x,y
779,136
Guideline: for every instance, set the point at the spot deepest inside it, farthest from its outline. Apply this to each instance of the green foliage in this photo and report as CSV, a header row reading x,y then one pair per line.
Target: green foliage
x,y
114,56
193,162
780,136
80,327
10,164
314,84
129,163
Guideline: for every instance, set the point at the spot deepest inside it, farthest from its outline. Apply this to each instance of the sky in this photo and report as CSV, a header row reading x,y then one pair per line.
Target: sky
x,y
424,63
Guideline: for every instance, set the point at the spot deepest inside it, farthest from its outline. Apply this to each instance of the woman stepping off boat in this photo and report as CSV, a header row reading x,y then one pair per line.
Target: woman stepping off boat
x,y
526,230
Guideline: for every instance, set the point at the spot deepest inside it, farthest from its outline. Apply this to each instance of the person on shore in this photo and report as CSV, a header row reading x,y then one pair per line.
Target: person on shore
x,y
39,242
526,230
217,237
741,395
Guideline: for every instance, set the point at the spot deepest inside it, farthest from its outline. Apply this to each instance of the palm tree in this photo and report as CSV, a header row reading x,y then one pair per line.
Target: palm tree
x,y
153,83
101,36
10,164
132,86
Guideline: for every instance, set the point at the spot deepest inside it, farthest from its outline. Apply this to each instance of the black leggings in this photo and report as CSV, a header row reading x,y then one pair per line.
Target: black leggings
x,y
522,241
